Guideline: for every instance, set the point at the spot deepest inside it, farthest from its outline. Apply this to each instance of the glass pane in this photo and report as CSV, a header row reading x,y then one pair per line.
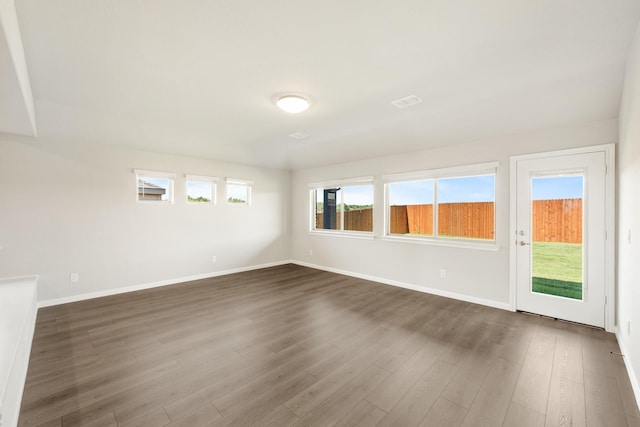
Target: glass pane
x,y
238,193
466,207
154,189
411,208
358,208
556,235
199,191
327,208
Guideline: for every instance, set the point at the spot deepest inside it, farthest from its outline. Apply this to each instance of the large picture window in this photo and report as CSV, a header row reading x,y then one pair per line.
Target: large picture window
x,y
446,205
342,206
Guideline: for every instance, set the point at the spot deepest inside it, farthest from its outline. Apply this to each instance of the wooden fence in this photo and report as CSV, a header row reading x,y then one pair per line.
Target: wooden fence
x,y
411,219
358,220
552,220
474,220
557,220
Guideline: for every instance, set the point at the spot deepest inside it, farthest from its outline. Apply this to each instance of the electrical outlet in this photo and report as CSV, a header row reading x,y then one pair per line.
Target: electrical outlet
x,y
443,273
74,278
310,251
214,258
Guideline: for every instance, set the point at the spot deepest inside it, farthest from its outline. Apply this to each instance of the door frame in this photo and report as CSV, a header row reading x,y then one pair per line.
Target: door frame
x,y
608,233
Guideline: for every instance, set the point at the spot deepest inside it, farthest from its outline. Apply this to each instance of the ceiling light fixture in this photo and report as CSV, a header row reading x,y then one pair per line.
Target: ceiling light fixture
x,y
407,101
292,104
299,135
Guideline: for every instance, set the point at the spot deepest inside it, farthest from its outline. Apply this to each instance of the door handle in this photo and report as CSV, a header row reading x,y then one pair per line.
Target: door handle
x,y
523,243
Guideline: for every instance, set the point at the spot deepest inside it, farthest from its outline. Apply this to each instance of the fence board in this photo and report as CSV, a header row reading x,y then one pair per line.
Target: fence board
x,y
357,220
398,220
474,220
420,219
557,220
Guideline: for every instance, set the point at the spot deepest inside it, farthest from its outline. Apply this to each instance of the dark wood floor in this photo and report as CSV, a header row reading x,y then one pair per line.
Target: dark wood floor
x,y
296,346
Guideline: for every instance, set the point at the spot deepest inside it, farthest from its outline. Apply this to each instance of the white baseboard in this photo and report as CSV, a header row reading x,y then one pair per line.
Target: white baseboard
x,y
116,291
635,385
424,289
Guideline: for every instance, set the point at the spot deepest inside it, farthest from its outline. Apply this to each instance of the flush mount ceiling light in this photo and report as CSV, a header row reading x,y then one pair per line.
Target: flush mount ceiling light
x,y
292,104
407,101
299,135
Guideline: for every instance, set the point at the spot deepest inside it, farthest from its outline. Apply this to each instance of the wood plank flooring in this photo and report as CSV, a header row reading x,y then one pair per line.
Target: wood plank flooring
x,y
293,346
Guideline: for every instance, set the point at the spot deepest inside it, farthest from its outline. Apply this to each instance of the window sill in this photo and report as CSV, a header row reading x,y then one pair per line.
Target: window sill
x,y
467,244
155,202
346,234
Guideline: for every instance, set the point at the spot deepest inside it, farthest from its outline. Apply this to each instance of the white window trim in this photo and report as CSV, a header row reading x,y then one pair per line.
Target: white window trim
x,y
485,245
364,180
349,234
236,181
239,181
480,169
202,178
171,176
155,174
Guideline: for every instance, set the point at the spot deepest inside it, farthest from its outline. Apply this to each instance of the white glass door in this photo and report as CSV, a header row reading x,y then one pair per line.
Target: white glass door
x,y
560,226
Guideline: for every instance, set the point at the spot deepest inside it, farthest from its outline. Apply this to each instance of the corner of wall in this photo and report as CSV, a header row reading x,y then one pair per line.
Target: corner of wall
x,y
628,218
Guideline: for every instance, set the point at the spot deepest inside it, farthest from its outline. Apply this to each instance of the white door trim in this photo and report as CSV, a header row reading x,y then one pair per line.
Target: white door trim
x,y
610,224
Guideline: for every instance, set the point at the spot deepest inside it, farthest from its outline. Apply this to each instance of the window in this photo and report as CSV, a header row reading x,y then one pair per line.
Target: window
x,y
466,207
442,205
201,189
239,191
343,206
154,186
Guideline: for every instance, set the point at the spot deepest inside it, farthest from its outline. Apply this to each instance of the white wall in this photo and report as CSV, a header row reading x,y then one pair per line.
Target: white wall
x,y
629,216
473,274
71,207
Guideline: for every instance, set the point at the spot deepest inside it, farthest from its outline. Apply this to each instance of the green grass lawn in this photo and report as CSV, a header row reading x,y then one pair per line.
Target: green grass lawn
x,y
557,269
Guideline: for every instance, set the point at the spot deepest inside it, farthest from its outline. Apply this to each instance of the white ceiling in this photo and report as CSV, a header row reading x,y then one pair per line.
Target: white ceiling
x,y
199,77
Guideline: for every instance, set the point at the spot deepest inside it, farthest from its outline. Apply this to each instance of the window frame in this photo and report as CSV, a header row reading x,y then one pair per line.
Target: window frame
x,y
481,169
170,176
341,183
202,178
235,181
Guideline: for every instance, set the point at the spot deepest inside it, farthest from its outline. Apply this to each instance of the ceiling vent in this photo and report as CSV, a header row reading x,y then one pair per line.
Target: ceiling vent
x,y
299,135
407,101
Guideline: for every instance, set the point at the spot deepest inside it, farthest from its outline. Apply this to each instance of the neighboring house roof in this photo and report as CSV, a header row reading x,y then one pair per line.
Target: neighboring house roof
x,y
149,188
